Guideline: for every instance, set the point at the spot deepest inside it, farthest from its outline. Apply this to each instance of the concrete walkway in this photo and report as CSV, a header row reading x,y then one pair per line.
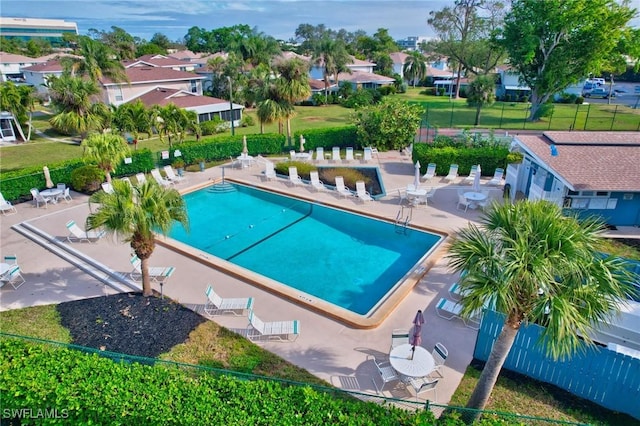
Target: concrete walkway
x,y
326,348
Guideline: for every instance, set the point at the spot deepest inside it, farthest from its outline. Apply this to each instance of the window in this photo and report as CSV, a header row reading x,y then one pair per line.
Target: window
x,y
118,94
194,86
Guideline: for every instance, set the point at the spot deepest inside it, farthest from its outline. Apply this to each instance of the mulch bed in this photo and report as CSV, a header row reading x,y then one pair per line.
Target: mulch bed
x,y
128,323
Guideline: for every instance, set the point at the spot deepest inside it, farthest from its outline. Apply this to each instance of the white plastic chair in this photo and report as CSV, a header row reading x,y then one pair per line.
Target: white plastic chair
x,y
399,337
216,305
462,201
342,190
449,310
497,177
155,173
269,171
402,195
294,179
348,157
158,274
361,192
40,199
335,153
422,385
171,175
430,173
316,183
107,187
439,354
367,155
77,234
141,178
472,174
319,154
6,207
453,173
285,331
386,372
13,277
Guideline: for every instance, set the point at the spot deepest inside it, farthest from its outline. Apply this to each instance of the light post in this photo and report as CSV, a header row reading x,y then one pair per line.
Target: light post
x,y
231,107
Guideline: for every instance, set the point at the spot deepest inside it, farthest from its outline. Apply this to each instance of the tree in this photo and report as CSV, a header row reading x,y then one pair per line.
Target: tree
x,y
132,118
96,60
105,150
481,92
391,124
292,85
414,67
332,56
135,214
72,102
536,265
562,42
19,101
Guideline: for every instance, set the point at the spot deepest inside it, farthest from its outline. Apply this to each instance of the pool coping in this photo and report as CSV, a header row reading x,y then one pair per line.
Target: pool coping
x,y
381,311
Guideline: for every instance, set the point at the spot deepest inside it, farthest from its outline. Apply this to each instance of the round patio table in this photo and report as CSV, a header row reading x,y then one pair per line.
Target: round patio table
x,y
420,366
53,193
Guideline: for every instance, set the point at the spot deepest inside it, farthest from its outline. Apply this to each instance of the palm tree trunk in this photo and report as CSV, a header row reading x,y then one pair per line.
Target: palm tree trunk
x,y
289,132
478,108
487,381
146,281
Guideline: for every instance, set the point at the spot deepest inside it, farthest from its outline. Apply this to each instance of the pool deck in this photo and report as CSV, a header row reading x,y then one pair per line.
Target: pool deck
x,y
327,348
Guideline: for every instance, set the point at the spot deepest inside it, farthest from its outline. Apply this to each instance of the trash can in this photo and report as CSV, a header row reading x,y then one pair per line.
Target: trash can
x,y
506,192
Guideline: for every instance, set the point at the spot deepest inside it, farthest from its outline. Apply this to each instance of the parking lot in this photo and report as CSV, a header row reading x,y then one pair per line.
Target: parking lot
x,y
625,95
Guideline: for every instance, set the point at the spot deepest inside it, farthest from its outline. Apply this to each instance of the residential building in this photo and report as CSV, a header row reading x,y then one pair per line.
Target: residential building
x,y
588,173
162,61
38,74
50,30
11,66
508,86
412,42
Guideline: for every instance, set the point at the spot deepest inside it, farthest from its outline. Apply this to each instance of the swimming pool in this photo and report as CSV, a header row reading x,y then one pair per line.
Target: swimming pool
x,y
348,260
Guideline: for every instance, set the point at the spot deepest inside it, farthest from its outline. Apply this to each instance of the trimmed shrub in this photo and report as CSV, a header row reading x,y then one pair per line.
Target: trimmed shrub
x,y
247,121
330,137
304,169
350,175
214,126
87,179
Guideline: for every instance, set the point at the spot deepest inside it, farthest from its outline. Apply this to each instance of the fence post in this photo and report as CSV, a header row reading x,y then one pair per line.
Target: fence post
x,y
613,119
524,121
575,117
501,115
451,117
586,120
550,119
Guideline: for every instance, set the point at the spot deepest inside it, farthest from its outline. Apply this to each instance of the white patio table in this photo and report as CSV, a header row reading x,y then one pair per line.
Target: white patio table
x,y
401,360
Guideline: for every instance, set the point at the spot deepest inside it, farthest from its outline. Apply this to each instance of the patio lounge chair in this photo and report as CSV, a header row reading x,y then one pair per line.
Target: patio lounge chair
x,y
77,234
279,330
361,192
158,274
161,180
342,190
472,174
6,207
453,173
39,198
216,305
141,178
316,183
348,157
171,175
366,157
294,179
497,177
335,154
107,187
269,171
431,172
13,277
449,310
319,154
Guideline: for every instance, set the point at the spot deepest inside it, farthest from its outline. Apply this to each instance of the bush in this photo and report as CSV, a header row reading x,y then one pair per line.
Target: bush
x,y
247,121
304,169
429,91
214,126
441,91
387,90
319,99
87,179
350,175
579,100
330,137
362,97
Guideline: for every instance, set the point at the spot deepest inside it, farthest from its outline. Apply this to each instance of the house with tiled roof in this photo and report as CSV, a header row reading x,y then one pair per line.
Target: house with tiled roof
x,y
38,74
162,61
588,173
11,66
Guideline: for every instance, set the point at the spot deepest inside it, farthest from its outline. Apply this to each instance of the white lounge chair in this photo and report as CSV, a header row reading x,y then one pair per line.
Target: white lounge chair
x,y
472,174
316,183
453,173
39,198
342,190
13,277
319,154
430,173
77,234
171,175
335,154
497,177
141,178
449,310
158,274
348,157
361,192
269,170
294,179
107,187
216,305
6,207
366,157
276,330
161,180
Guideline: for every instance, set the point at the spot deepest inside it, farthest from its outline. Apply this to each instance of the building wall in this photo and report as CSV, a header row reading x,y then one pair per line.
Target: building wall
x,y
39,79
119,94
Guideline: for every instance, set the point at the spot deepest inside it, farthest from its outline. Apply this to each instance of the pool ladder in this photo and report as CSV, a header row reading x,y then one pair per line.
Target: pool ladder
x,y
402,221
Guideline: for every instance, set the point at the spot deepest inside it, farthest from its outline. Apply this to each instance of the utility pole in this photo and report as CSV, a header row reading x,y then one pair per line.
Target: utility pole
x,y
231,107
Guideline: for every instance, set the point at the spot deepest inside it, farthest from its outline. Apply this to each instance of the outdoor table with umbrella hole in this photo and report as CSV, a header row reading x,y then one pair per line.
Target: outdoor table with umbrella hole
x,y
412,360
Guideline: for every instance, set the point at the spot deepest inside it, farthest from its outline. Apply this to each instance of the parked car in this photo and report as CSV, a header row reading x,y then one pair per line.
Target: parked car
x,y
598,92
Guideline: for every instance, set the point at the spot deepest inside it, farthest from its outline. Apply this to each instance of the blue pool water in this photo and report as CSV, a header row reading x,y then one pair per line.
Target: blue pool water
x,y
346,259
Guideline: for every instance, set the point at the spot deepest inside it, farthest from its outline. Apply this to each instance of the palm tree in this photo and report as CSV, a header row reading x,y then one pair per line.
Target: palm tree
x,y
19,101
536,265
480,93
292,86
97,60
414,67
106,151
135,214
73,101
331,54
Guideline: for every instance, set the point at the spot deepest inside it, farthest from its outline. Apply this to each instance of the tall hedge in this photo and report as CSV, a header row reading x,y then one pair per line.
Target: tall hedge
x,y
329,137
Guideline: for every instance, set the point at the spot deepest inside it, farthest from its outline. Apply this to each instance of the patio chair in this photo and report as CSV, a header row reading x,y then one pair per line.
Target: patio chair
x,y
335,154
67,195
399,337
453,173
77,234
361,192
40,199
158,274
483,204
367,155
171,175
316,183
13,277
292,155
497,177
216,305
348,157
269,171
141,178
386,372
402,196
472,174
462,201
319,154
107,187
431,172
342,190
6,207
449,310
294,179
285,331
439,354
422,385
155,173
11,259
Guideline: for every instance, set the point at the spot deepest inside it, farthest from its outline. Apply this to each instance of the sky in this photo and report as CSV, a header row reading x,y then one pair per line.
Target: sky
x,y
277,18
